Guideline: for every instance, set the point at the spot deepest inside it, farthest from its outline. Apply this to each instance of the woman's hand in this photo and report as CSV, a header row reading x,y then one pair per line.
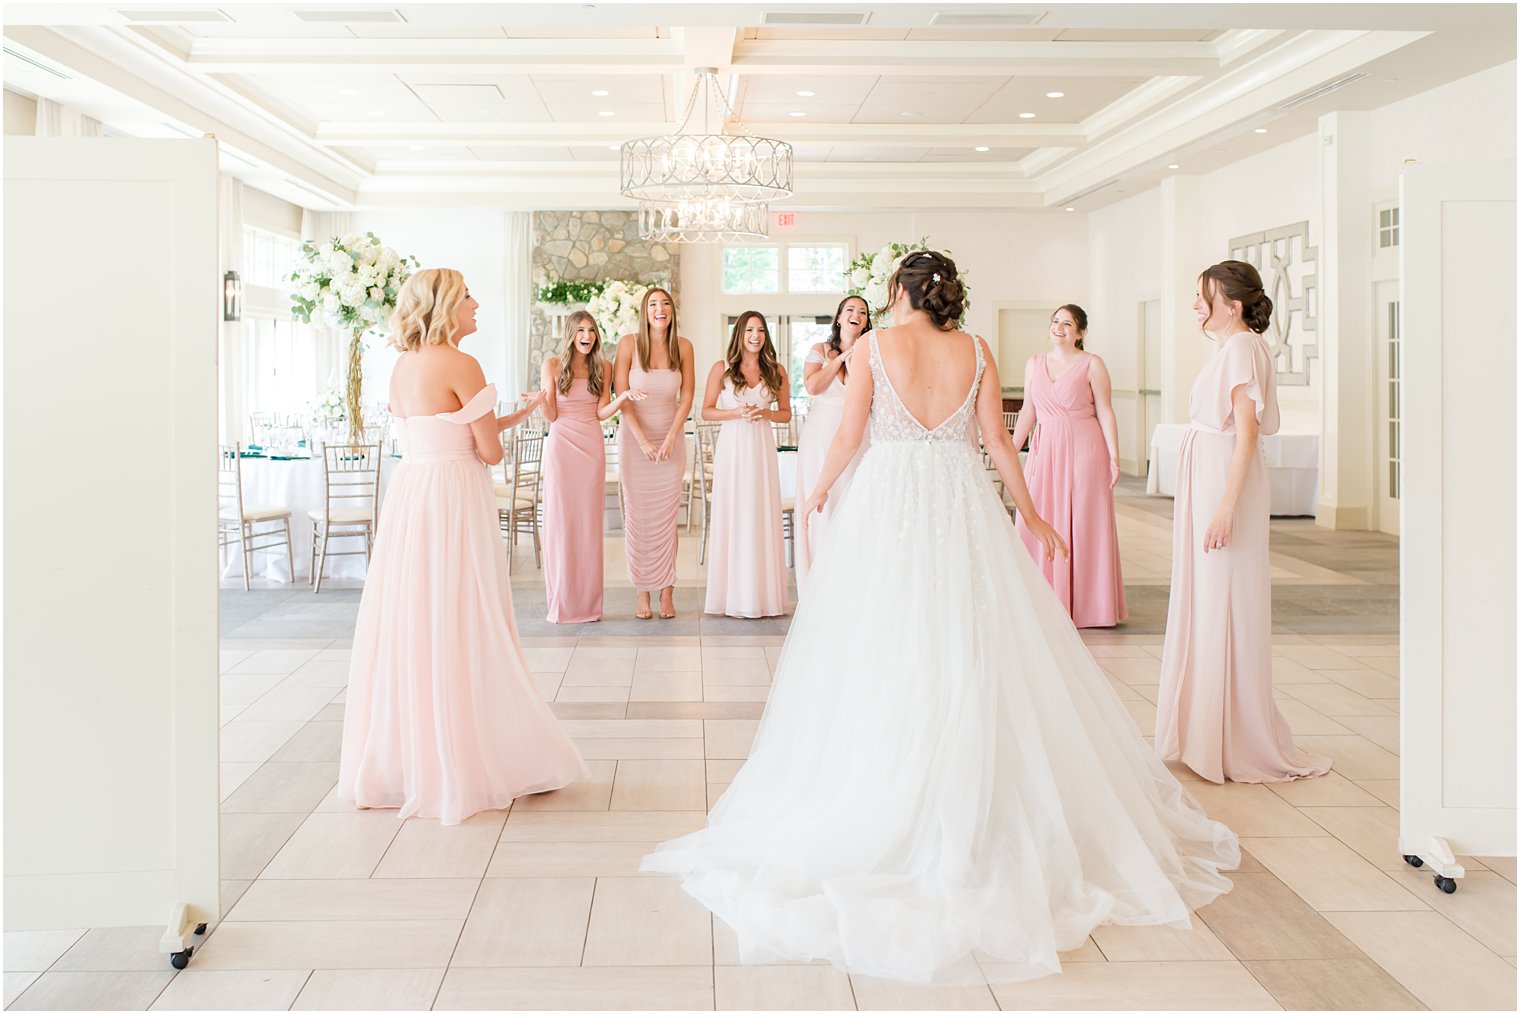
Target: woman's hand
x,y
1221,529
1113,474
1047,537
814,504
648,449
664,450
633,396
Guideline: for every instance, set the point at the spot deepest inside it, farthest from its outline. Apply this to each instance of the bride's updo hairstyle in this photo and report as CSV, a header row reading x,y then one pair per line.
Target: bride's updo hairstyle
x,y
425,309
930,280
1238,281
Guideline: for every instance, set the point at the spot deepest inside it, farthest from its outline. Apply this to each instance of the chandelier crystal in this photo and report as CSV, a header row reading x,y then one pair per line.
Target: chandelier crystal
x,y
703,220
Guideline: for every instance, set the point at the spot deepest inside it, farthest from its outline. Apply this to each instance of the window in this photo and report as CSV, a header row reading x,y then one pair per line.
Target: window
x,y
1388,228
815,268
279,368
777,270
752,269
268,258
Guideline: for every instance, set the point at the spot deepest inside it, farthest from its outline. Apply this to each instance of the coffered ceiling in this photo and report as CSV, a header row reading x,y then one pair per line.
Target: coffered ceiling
x,y
890,105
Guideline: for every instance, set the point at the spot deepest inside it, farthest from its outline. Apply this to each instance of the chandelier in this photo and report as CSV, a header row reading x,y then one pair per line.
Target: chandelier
x,y
699,186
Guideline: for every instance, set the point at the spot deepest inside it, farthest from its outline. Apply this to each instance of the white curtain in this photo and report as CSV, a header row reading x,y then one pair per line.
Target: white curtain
x,y
517,292
230,348
331,348
55,120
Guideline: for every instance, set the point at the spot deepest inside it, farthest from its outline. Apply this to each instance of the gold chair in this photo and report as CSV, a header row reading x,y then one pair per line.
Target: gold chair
x,y
785,432
613,479
702,472
236,523
517,501
1010,420
352,504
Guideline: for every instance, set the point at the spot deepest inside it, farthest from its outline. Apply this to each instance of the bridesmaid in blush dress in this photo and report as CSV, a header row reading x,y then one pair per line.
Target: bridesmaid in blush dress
x,y
746,556
652,448
823,376
1073,465
443,718
1215,711
577,396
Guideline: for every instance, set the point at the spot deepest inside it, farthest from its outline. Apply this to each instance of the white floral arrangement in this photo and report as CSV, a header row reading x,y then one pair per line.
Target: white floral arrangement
x,y
617,307
868,274
330,406
348,283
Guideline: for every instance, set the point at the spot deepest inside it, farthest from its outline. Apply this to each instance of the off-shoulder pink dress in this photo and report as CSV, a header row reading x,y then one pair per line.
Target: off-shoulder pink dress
x,y
1215,711
443,718
575,477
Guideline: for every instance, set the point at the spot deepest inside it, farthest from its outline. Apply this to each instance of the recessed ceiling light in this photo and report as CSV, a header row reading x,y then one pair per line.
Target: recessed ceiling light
x,y
1055,95
1026,116
606,112
349,91
1174,165
1260,130
982,147
377,112
796,114
600,92
912,114
1071,209
806,94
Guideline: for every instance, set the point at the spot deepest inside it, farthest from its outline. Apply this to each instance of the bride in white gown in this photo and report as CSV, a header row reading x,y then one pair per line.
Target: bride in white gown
x,y
944,787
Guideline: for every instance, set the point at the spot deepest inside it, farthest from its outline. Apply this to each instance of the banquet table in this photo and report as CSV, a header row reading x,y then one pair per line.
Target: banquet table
x,y
301,485
1292,468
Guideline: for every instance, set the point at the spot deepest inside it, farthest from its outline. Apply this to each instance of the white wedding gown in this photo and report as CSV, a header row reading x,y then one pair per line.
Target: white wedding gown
x,y
944,787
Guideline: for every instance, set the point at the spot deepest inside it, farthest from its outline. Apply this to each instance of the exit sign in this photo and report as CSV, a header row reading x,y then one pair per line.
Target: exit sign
x,y
785,218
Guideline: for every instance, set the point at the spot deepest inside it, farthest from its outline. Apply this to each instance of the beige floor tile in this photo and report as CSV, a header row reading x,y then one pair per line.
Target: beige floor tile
x,y
570,694
36,950
1484,905
94,990
1330,876
660,685
1139,985
598,672
543,659
1134,670
255,742
426,848
1436,961
1286,672
638,749
782,987
1332,984
1125,692
331,713
548,683
194,989
577,989
726,950
590,793
1385,789
249,840
1142,713
280,787
1261,918
1316,656
1502,865
755,694
621,648
232,892
1382,731
114,949
247,687
338,845
737,672
370,989
526,923
730,738
1160,943
1305,721
354,900
1354,757
1336,701
886,994
1252,811
569,859
727,651
16,983
227,658
1329,789
647,921
283,661
320,672
640,728
696,709
227,712
601,827
1118,651
314,741
391,943
668,659
660,785
1371,831
573,710
773,657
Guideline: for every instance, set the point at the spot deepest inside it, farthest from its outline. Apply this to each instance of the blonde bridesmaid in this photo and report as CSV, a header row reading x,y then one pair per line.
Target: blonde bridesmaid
x,y
746,553
1215,711
443,718
652,447
577,396
824,374
1073,465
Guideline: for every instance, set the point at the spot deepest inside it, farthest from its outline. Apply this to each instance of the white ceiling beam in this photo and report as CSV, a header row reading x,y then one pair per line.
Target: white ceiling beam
x,y
545,135
923,57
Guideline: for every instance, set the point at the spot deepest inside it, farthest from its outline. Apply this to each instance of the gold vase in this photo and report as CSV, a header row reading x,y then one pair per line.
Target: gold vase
x,y
355,397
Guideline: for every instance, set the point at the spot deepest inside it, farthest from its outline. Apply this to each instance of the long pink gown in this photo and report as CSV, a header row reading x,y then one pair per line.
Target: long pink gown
x,y
823,419
1215,711
652,489
1068,482
443,717
575,476
746,552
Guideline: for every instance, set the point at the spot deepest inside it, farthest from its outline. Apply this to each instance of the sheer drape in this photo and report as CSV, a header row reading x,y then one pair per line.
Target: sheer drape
x,y
230,349
517,292
56,120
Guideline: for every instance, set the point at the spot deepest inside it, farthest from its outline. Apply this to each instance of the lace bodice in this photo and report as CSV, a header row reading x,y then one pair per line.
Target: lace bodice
x,y
892,422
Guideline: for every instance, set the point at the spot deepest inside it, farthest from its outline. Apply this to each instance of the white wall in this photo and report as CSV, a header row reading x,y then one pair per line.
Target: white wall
x,y
1468,120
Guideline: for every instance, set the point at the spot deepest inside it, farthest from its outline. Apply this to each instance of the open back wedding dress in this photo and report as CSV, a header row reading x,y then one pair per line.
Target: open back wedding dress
x,y
944,787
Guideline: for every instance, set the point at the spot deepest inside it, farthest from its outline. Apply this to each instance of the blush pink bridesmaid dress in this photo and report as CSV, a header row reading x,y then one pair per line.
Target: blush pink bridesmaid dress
x,y
1068,480
652,489
746,552
1215,711
575,476
443,718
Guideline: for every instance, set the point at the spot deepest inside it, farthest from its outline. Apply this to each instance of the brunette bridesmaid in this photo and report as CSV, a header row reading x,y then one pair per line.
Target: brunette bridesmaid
x,y
577,396
1073,465
746,552
824,374
652,447
1215,711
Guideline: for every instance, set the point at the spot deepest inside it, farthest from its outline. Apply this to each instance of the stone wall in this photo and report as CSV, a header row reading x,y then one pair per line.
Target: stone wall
x,y
593,246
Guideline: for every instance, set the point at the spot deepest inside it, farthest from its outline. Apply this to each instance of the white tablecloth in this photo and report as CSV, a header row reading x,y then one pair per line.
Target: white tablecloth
x,y
300,486
1292,467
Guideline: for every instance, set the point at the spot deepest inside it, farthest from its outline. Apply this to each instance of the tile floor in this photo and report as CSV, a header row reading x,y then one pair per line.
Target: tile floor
x,y
543,907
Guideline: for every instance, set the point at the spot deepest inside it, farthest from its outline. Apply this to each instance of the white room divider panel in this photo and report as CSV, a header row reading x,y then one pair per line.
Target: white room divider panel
x,y
111,310
1457,713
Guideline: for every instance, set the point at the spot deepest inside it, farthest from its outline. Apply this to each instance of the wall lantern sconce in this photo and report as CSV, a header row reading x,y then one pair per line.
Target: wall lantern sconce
x,y
232,296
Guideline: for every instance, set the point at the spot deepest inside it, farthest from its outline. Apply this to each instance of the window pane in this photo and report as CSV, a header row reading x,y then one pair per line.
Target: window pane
x,y
806,332
751,269
815,268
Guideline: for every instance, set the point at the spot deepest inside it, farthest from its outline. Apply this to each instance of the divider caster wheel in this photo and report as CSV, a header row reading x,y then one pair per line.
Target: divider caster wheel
x,y
179,959
1446,884
1414,861
200,930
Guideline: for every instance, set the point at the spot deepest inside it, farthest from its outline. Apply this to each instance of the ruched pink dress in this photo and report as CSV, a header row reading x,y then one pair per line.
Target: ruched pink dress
x,y
575,476
652,489
746,552
443,718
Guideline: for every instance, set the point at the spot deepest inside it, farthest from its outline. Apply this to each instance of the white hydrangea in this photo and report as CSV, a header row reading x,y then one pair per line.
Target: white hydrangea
x,y
349,283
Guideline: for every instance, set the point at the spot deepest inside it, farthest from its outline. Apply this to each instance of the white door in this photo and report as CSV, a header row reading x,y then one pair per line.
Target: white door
x,y
1390,404
1457,493
110,422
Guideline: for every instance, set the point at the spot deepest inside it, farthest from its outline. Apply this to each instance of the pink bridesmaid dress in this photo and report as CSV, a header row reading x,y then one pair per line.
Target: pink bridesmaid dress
x,y
1215,711
652,489
825,413
1068,480
746,553
443,718
575,476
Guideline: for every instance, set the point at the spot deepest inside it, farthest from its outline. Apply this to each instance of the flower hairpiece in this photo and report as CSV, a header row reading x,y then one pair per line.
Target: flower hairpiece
x,y
936,276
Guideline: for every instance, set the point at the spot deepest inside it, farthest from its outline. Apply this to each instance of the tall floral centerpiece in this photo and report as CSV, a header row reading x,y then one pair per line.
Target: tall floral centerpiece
x,y
349,284
616,308
868,274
